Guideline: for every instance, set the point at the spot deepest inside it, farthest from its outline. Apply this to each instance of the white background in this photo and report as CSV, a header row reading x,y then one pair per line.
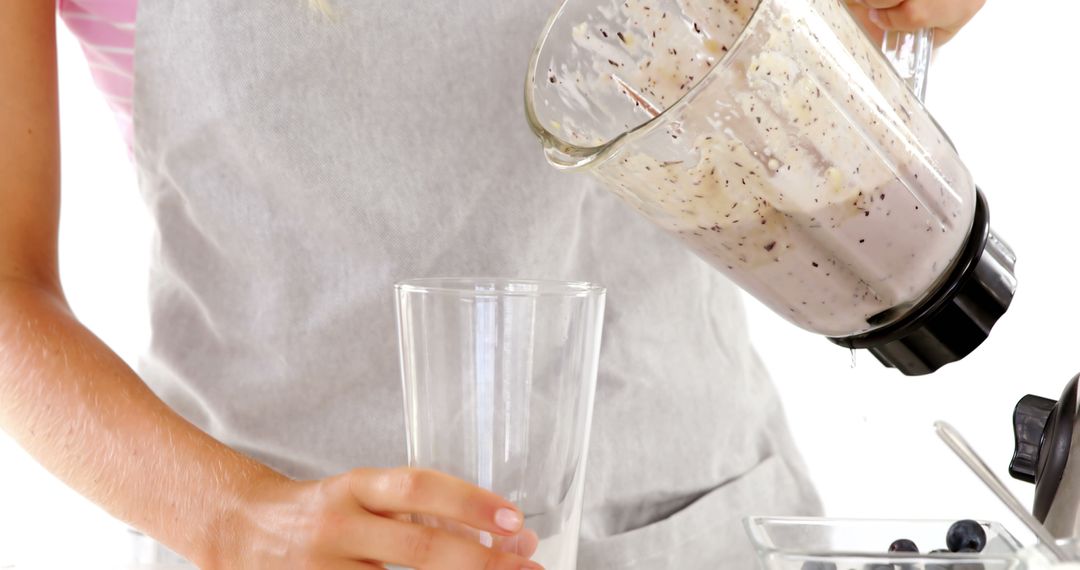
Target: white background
x,y
1005,91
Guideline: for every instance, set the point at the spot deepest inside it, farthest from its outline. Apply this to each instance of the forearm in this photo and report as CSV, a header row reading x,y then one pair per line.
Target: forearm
x,y
88,418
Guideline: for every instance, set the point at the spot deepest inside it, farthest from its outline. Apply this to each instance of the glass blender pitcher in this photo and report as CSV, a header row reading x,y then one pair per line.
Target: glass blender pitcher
x,y
778,142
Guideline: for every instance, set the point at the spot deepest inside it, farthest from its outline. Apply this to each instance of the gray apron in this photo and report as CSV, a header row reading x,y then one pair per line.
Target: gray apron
x,y
297,166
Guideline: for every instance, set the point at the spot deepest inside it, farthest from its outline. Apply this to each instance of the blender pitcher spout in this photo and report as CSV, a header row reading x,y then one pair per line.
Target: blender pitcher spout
x,y
565,155
584,91
561,154
568,157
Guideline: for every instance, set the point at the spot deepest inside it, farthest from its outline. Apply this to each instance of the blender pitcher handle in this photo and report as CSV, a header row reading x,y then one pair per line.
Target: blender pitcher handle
x,y
909,53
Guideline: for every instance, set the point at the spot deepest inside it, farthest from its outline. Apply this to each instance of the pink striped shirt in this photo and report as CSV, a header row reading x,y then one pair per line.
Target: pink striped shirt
x,y
106,29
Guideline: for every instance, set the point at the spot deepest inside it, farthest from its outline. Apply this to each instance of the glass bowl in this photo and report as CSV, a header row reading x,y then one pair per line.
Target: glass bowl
x,y
785,543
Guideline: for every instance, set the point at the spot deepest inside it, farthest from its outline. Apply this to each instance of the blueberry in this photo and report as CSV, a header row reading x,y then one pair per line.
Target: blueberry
x,y
966,536
814,565
903,545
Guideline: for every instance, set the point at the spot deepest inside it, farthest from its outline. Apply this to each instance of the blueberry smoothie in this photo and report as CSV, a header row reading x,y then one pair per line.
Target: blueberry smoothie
x,y
790,157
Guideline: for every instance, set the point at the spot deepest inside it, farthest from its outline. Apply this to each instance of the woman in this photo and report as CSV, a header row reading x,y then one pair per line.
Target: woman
x,y
296,166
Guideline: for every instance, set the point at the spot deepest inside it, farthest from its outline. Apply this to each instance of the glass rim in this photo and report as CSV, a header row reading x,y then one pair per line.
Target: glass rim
x,y
498,286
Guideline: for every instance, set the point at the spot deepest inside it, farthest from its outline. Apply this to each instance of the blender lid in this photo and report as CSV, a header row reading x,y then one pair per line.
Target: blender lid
x,y
1044,431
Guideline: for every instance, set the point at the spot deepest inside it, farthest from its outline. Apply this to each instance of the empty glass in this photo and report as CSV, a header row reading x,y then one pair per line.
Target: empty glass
x,y
499,377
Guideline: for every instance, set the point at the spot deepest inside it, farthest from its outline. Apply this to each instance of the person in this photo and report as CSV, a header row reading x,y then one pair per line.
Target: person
x,y
296,166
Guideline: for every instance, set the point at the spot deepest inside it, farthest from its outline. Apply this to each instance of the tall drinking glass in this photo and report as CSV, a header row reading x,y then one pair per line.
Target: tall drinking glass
x,y
499,378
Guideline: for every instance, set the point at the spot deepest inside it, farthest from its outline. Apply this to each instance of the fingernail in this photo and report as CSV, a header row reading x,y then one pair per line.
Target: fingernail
x,y
532,567
508,519
875,16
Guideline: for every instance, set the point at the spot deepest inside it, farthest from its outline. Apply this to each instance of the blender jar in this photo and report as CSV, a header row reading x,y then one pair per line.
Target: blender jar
x,y
778,143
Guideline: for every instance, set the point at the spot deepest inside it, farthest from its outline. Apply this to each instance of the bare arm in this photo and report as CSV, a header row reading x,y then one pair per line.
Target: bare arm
x,y
80,411
64,396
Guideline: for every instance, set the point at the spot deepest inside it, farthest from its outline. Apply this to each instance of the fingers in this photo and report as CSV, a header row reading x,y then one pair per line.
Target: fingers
x,y
426,548
432,493
377,531
350,565
912,15
523,543
862,16
878,4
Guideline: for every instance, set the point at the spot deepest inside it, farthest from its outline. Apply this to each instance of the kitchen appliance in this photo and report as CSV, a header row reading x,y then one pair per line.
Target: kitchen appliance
x,y
779,143
1046,434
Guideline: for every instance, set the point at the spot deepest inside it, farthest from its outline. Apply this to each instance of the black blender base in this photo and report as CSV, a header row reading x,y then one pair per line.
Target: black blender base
x,y
957,317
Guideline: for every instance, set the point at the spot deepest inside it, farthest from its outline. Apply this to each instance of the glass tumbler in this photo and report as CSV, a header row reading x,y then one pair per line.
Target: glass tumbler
x,y
499,377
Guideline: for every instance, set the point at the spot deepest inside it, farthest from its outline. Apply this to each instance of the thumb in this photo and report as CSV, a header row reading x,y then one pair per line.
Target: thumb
x,y
862,15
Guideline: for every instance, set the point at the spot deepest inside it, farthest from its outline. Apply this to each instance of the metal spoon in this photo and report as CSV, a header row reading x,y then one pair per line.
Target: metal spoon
x,y
963,450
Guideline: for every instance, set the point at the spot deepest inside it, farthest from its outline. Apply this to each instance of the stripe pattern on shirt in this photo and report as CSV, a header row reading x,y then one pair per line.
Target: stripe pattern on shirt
x,y
106,30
